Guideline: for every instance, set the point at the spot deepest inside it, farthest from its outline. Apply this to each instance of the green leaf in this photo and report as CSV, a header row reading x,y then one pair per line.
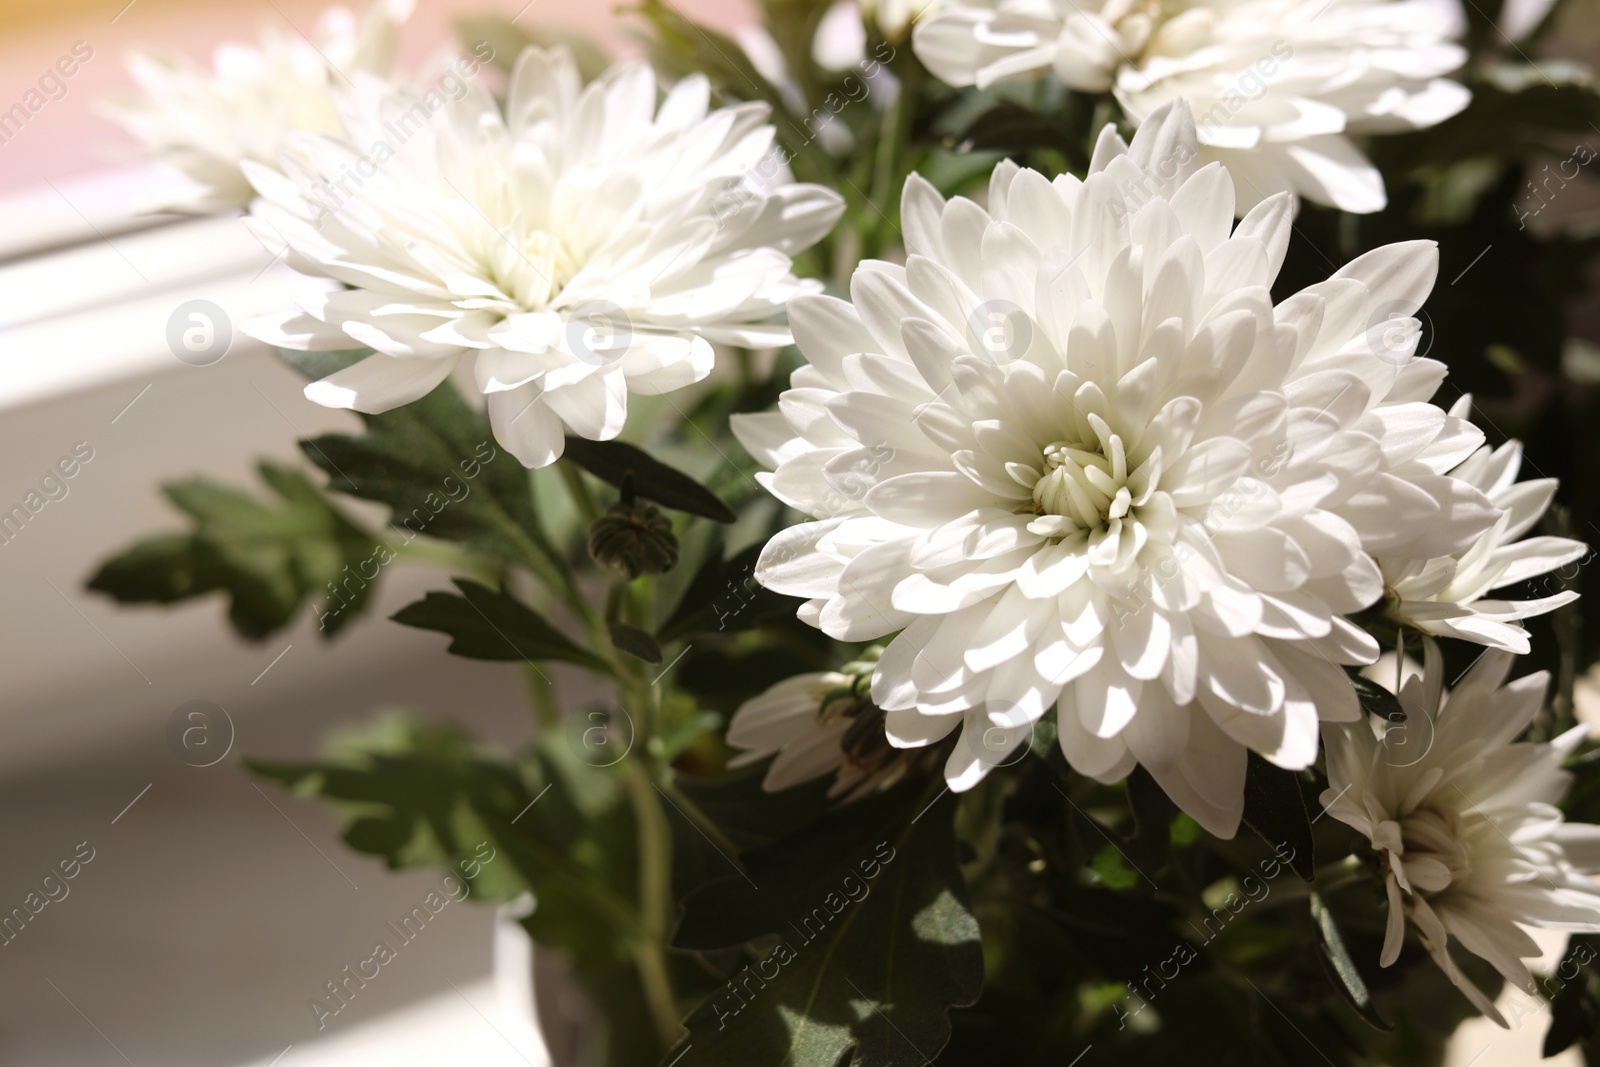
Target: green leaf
x,y
1275,809
634,641
436,465
420,795
746,813
485,624
1376,700
724,597
613,461
876,942
269,557
1341,968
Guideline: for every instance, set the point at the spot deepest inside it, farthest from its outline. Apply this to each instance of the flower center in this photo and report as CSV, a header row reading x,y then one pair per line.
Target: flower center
x,y
1438,835
1081,488
531,270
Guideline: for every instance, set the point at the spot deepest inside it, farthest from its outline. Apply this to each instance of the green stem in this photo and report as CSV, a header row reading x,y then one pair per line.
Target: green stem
x,y
542,694
655,899
440,554
547,564
654,836
578,490
892,148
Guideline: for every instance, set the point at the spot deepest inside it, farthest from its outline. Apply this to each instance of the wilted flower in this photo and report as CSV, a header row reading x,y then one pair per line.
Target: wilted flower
x,y
1472,844
579,246
1278,87
1106,470
205,123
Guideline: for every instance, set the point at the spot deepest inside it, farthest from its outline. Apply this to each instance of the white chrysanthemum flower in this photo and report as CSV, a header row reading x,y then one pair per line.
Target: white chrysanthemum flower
x,y
1472,843
1278,87
1444,596
820,723
204,123
1071,451
582,246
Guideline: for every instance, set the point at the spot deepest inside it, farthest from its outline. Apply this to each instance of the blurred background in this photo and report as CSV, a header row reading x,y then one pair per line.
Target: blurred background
x,y
213,911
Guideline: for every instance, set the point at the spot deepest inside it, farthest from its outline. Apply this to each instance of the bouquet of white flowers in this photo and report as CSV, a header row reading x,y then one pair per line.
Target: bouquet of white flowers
x,y
944,470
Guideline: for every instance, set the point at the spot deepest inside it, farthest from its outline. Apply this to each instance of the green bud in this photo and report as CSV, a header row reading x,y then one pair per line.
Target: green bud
x,y
635,539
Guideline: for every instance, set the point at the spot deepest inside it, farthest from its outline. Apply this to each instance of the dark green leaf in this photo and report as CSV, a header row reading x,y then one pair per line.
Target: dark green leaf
x,y
1376,700
161,570
1341,968
1574,1010
270,558
876,942
436,465
485,624
746,813
724,597
1275,809
613,461
635,642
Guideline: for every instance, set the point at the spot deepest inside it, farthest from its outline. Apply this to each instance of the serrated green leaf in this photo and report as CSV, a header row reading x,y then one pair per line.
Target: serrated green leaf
x,y
419,795
436,464
269,557
485,624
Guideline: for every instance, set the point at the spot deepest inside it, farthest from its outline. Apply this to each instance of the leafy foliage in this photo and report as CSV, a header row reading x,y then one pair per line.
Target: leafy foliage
x,y
269,557
723,596
485,624
436,465
876,942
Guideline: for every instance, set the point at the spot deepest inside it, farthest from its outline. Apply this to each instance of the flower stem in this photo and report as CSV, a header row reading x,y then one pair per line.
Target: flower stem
x,y
655,899
654,837
582,498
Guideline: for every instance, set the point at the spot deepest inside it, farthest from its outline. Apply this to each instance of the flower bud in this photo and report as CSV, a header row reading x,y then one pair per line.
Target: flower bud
x,y
634,539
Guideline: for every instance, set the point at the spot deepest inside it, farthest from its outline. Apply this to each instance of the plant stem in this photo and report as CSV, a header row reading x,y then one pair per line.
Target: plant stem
x,y
655,899
541,693
655,842
582,498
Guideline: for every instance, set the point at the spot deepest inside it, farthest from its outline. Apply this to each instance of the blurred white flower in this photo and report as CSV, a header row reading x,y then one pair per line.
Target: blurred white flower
x,y
820,723
582,246
204,123
1444,596
1071,451
1278,87
1472,844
